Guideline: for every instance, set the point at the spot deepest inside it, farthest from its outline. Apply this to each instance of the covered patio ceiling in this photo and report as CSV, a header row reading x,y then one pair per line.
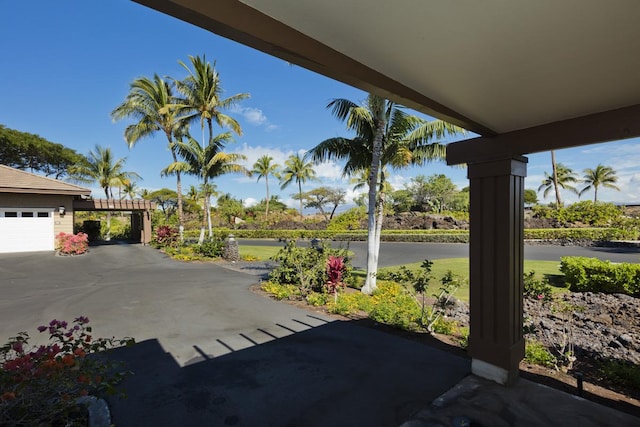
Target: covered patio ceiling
x,y
493,67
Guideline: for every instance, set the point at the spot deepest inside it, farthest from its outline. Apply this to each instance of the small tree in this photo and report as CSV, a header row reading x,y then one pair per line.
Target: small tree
x,y
320,197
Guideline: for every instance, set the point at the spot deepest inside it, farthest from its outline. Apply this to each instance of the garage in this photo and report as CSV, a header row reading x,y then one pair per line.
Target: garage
x,y
26,230
34,209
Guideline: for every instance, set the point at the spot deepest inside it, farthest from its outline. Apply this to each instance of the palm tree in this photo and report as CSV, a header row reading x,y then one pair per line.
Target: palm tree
x,y
296,169
151,103
264,167
106,171
207,163
130,188
564,178
600,176
386,136
202,99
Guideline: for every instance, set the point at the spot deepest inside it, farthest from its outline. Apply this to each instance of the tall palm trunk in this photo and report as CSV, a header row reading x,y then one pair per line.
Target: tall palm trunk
x,y
209,216
556,187
380,219
266,212
372,253
300,194
178,188
205,216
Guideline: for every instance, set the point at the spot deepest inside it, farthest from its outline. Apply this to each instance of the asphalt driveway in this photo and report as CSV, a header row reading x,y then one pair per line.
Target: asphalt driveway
x,y
211,352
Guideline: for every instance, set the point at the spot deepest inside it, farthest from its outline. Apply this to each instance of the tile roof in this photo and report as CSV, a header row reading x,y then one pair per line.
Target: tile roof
x,y
18,181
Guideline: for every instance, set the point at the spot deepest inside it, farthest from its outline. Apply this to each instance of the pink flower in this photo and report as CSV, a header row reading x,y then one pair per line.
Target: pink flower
x,y
42,328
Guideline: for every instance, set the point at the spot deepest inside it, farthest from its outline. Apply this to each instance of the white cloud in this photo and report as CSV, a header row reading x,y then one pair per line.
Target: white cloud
x,y
249,201
328,170
255,117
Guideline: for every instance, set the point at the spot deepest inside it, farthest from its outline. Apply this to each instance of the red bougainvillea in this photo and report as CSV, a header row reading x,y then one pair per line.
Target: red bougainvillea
x,y
72,244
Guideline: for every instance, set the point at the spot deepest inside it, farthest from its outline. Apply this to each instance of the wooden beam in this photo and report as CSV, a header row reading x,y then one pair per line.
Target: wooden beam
x,y
239,22
607,126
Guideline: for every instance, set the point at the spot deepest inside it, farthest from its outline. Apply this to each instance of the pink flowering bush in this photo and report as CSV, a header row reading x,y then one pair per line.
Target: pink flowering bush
x,y
40,385
72,244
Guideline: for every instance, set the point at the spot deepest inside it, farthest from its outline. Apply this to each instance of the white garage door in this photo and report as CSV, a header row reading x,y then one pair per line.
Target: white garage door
x,y
26,230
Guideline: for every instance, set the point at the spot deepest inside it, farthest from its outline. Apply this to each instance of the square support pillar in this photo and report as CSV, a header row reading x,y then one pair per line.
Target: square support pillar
x,y
146,227
496,256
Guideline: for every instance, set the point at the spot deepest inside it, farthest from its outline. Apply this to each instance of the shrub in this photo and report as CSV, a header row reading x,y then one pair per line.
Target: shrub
x,y
306,267
351,303
538,354
593,275
624,373
166,236
392,305
210,249
317,299
349,220
594,234
72,244
536,289
587,212
39,386
444,326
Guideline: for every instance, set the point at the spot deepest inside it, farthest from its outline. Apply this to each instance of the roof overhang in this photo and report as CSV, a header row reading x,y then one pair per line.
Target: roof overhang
x,y
45,191
493,67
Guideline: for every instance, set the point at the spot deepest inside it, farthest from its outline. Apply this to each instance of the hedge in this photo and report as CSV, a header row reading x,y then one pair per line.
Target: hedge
x,y
595,234
593,275
445,236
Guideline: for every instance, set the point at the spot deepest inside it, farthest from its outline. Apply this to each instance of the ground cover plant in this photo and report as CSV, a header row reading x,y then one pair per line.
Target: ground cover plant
x,y
39,385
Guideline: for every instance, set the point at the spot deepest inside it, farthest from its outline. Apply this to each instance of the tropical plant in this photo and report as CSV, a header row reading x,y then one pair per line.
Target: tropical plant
x,y
102,168
207,163
298,170
563,177
129,189
386,136
603,176
151,103
263,167
201,97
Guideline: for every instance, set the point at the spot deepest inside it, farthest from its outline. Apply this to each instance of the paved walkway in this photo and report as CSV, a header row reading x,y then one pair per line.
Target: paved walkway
x,y
210,352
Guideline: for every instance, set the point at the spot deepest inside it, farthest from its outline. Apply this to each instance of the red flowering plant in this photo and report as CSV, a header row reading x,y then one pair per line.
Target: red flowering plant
x,y
335,271
41,384
72,244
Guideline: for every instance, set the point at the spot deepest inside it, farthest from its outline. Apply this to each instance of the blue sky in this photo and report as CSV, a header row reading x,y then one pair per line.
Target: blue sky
x,y
67,65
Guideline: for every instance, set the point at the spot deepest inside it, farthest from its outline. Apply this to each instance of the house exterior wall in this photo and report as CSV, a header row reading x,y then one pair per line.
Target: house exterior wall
x,y
62,223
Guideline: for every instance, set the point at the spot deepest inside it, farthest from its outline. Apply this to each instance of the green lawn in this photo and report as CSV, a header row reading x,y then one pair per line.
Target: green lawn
x,y
261,252
460,267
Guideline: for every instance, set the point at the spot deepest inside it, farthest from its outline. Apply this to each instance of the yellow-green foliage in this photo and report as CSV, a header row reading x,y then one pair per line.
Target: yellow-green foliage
x,y
392,305
281,292
350,303
538,354
317,299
